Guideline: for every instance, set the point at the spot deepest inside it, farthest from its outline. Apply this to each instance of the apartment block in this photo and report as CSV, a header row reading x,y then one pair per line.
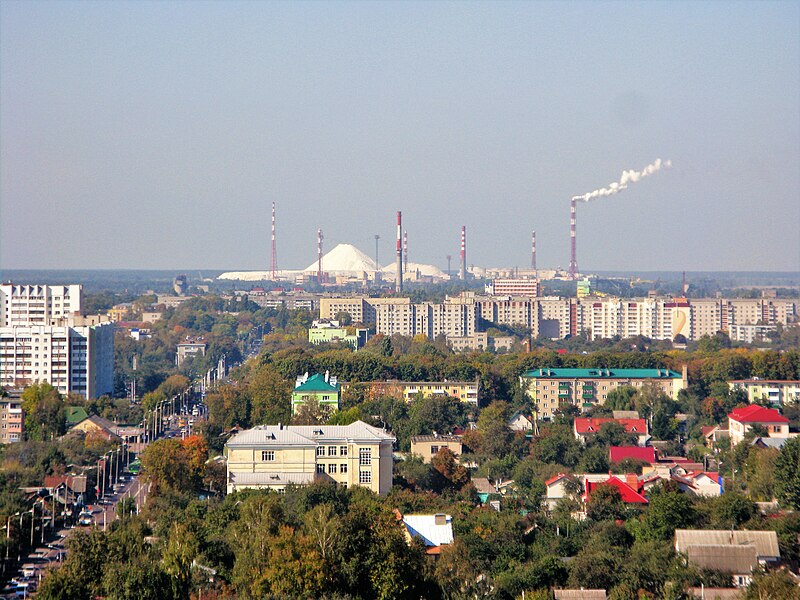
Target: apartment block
x,y
72,357
466,391
37,304
513,287
552,389
776,391
274,456
12,419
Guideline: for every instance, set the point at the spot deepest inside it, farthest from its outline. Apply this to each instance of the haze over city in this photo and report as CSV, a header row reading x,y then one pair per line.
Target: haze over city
x,y
157,135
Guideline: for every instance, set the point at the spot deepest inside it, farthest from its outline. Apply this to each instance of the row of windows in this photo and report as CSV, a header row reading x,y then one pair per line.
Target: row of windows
x,y
331,450
333,468
364,454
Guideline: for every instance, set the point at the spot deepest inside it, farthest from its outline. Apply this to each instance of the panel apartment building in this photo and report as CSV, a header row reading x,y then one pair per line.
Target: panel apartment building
x,y
551,389
44,338
555,318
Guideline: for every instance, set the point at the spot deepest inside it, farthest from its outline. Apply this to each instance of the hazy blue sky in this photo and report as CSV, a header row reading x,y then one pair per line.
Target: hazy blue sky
x,y
156,134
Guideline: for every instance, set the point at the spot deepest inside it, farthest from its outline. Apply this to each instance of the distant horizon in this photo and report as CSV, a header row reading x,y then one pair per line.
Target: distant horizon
x,y
160,133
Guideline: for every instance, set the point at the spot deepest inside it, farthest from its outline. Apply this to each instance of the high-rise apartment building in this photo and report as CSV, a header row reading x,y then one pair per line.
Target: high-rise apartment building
x,y
37,304
43,338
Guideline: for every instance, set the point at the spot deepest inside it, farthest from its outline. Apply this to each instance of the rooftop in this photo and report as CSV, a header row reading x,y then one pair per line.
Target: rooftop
x,y
766,542
307,435
733,559
560,373
638,426
316,383
620,453
433,530
757,414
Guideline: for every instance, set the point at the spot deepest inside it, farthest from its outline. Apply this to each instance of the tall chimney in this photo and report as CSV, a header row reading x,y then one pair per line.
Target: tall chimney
x,y
405,251
533,253
463,274
573,261
398,285
319,255
274,259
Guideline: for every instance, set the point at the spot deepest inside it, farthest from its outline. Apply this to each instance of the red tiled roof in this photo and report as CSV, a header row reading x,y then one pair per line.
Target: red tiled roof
x,y
628,494
620,453
757,414
638,426
555,478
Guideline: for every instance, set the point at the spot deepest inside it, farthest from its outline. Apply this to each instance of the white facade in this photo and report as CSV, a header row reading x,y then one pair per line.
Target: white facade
x,y
71,358
37,304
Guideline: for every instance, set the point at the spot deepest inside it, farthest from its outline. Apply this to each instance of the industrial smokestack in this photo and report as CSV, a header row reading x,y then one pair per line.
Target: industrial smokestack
x,y
274,258
533,252
398,286
405,252
463,274
319,255
573,260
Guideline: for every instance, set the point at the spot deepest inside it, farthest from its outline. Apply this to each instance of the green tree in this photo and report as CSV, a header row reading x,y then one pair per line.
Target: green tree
x,y
496,435
787,474
772,585
271,397
668,510
45,411
731,509
165,464
605,504
181,550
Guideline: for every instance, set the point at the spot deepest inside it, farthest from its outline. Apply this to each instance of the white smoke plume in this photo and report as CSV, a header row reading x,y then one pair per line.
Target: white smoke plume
x,y
626,178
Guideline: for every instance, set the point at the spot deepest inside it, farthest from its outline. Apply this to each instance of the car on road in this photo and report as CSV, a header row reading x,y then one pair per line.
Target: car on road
x,y
85,518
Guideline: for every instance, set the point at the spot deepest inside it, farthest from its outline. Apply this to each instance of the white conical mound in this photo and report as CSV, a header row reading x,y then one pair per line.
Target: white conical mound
x,y
344,259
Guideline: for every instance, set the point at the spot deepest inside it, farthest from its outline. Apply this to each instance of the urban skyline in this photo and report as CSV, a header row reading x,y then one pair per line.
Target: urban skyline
x,y
156,137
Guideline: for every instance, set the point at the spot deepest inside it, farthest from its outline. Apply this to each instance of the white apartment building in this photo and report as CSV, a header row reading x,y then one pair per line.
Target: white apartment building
x,y
37,304
513,287
43,338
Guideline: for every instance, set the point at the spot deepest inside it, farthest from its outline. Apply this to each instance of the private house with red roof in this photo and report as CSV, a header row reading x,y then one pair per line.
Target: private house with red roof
x,y
617,454
584,428
741,420
629,490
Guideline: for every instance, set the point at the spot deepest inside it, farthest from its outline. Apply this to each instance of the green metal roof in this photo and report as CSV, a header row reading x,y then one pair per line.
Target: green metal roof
x,y
559,373
316,383
76,414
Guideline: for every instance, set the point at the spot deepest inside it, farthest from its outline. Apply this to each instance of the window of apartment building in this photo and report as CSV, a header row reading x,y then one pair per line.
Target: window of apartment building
x,y
331,450
320,468
268,455
342,450
343,468
320,450
331,468
434,449
365,477
365,456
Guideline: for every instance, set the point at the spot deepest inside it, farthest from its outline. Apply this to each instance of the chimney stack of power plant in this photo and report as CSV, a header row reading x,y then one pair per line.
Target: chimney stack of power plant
x,y
405,251
274,265
463,274
319,255
399,279
573,260
533,252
